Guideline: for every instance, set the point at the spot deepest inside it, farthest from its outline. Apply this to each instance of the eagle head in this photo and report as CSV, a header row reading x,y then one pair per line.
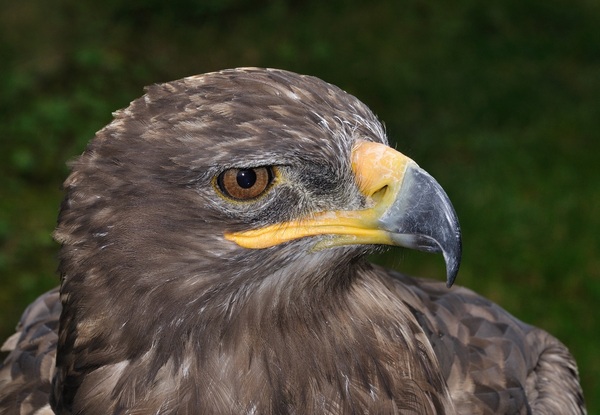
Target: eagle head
x,y
237,193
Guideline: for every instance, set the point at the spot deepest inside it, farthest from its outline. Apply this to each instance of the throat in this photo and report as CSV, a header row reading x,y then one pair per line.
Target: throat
x,y
356,349
340,343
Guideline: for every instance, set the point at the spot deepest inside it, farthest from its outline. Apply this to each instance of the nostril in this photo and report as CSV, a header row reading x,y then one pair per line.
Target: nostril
x,y
377,196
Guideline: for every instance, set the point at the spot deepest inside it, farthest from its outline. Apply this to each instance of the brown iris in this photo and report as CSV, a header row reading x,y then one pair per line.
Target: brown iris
x,y
245,184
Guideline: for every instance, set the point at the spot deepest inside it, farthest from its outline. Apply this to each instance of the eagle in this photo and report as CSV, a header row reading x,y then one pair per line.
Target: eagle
x,y
214,240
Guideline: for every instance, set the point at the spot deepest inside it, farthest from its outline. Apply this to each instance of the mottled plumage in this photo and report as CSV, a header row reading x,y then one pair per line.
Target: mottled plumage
x,y
163,311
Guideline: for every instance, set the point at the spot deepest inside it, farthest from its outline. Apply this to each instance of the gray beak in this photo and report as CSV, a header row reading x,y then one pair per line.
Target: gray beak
x,y
422,217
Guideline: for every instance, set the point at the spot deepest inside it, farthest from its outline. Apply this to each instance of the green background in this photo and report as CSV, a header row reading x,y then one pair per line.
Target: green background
x,y
499,100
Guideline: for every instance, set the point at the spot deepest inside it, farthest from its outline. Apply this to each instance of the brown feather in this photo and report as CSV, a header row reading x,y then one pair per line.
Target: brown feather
x,y
26,375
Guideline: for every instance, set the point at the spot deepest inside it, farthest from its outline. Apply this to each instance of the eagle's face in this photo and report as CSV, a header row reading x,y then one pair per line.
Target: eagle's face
x,y
237,177
247,169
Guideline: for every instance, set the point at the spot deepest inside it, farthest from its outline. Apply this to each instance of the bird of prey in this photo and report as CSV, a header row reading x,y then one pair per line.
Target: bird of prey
x,y
213,242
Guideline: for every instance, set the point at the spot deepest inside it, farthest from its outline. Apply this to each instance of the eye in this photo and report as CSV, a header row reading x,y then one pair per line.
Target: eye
x,y
245,184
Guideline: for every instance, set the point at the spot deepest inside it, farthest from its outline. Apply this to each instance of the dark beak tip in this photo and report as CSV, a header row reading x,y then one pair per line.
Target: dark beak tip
x,y
453,260
451,274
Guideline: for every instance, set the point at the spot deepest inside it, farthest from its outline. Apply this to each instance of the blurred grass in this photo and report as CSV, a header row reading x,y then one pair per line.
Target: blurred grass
x,y
498,100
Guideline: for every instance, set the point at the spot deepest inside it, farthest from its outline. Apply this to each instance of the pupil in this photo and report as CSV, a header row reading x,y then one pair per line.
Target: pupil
x,y
246,178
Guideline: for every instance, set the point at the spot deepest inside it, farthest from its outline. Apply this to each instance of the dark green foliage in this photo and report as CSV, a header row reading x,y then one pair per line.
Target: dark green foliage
x,y
498,100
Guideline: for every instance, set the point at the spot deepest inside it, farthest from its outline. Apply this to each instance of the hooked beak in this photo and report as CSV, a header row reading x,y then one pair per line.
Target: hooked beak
x,y
408,208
